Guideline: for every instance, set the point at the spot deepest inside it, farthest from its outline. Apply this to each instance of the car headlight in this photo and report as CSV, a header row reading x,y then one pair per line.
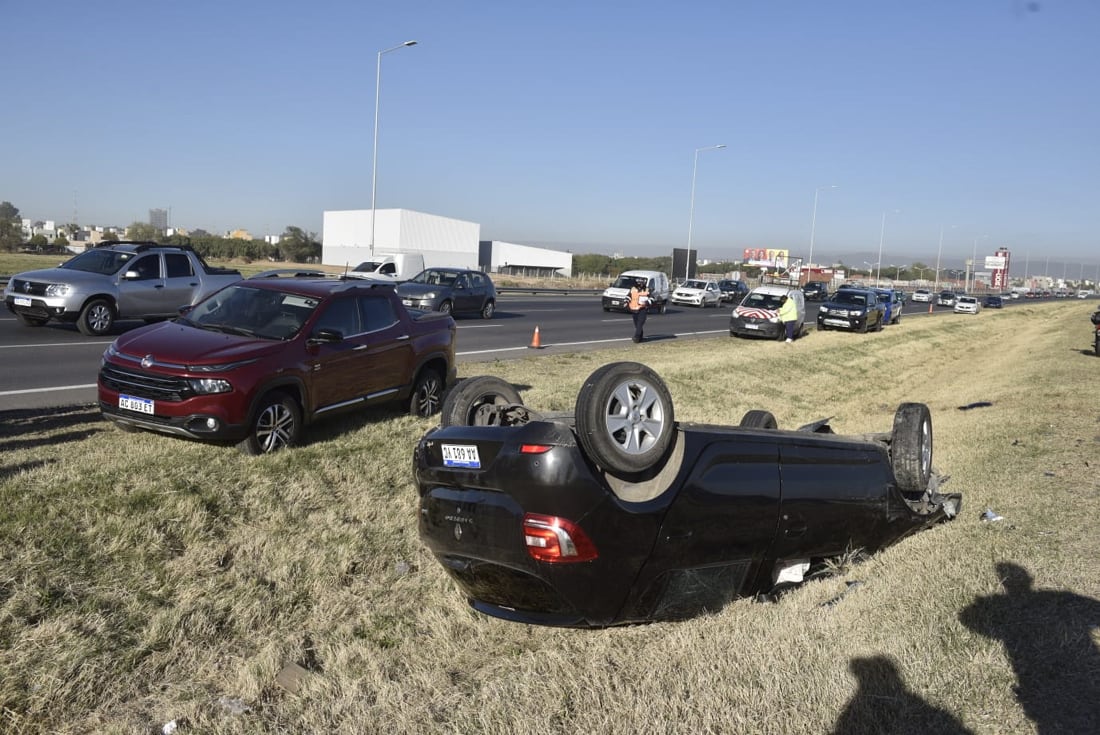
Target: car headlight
x,y
210,385
58,289
823,309
429,295
855,312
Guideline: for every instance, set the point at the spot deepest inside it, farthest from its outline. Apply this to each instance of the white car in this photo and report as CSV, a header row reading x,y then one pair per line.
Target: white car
x,y
695,292
922,294
967,305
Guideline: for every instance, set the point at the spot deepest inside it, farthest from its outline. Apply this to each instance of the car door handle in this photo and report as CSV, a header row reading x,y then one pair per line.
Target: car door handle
x,y
402,338
159,285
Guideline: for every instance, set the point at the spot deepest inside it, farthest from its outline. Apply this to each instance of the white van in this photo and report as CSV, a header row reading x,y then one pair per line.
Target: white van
x,y
617,296
758,313
395,267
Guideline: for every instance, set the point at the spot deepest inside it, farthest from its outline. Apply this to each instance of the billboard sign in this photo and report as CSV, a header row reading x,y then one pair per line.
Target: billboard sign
x,y
767,257
994,262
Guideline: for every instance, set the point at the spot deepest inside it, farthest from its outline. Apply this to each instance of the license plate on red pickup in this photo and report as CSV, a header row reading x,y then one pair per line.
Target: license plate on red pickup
x,y
133,403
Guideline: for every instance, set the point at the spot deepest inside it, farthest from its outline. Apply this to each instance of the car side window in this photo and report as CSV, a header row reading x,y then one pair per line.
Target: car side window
x,y
460,282
147,267
389,269
177,265
376,314
342,315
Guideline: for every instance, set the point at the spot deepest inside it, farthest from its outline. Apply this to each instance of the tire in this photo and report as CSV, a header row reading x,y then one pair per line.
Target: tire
x,y
31,321
427,394
445,307
757,419
1096,347
96,318
911,447
277,424
488,310
473,401
880,325
663,307
624,418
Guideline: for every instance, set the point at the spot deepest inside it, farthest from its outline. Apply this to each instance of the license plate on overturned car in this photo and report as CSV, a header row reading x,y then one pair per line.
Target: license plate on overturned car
x,y
133,403
460,455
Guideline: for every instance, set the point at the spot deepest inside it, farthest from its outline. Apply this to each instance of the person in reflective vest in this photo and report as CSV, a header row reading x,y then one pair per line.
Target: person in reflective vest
x,y
788,314
639,307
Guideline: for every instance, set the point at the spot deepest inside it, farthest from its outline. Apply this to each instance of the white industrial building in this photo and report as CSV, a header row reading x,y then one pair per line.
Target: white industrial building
x,y
524,260
442,241
346,237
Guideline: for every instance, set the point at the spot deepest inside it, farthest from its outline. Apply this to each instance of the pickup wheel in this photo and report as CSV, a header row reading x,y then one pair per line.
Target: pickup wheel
x,y
757,419
911,447
475,401
445,307
624,418
427,393
277,424
31,321
96,318
488,310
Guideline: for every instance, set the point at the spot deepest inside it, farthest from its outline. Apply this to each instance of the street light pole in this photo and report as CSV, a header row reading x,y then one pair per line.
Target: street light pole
x,y
374,156
691,216
813,222
971,277
881,239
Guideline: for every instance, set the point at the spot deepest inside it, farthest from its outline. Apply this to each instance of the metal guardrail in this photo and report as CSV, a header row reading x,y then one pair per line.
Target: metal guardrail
x,y
535,290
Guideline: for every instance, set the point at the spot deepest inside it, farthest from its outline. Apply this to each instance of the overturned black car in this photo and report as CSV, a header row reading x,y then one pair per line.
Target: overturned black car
x,y
618,514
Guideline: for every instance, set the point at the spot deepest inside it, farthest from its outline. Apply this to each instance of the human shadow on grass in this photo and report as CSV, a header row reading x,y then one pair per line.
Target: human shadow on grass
x,y
29,428
1047,635
883,704
6,472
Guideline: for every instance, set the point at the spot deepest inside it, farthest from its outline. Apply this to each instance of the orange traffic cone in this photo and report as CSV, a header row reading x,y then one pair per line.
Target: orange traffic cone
x,y
536,343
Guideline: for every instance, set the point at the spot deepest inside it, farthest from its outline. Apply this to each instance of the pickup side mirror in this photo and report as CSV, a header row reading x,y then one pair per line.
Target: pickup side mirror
x,y
185,309
326,336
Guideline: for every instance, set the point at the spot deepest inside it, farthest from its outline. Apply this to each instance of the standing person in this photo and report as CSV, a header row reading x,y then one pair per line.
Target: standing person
x,y
639,306
788,314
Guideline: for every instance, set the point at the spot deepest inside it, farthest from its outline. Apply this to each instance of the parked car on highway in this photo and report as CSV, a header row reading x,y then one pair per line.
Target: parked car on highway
x,y
892,305
855,309
922,294
816,291
616,297
967,305
758,314
696,292
256,362
994,302
113,281
450,290
946,298
733,291
617,513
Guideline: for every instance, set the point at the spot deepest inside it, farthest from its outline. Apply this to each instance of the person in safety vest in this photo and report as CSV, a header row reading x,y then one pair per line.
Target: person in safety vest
x,y
788,314
639,306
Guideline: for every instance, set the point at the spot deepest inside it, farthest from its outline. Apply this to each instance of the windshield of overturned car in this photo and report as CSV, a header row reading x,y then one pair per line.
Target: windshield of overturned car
x,y
252,312
103,262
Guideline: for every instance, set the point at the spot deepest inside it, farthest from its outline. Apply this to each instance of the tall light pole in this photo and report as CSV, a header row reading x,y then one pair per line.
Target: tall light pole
x,y
881,239
374,156
971,276
939,253
813,222
691,216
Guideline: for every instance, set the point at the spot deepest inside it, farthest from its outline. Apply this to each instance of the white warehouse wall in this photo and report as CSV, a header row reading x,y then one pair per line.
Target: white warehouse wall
x,y
345,237
511,255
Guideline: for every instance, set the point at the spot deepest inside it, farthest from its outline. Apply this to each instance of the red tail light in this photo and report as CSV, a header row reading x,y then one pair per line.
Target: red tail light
x,y
534,448
556,540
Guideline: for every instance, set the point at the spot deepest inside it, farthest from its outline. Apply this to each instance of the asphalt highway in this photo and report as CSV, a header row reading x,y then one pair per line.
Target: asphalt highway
x,y
56,365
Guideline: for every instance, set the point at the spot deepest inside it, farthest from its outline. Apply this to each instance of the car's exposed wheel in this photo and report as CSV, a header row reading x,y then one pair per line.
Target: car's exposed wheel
x,y
488,309
97,318
911,447
427,394
445,307
31,321
624,417
475,401
757,419
276,424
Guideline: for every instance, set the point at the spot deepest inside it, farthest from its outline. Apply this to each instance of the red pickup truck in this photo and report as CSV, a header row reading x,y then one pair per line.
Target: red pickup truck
x,y
256,362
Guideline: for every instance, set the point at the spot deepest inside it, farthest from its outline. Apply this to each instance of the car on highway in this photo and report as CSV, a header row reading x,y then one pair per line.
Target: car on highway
x,y
853,309
922,294
697,292
732,290
451,291
892,305
758,314
616,513
258,361
993,302
967,305
616,297
816,291
946,298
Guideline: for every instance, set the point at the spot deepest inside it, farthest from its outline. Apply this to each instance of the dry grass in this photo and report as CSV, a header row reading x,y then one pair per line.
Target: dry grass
x,y
145,579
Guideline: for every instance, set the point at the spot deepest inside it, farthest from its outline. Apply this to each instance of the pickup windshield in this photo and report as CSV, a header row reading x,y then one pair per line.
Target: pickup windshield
x,y
848,297
245,310
103,262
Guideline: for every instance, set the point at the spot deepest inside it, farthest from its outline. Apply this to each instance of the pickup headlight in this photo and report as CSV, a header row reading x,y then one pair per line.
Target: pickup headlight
x,y
823,309
210,385
58,289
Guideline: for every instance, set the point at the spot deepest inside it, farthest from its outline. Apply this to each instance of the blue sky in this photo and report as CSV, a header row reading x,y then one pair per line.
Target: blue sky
x,y
574,124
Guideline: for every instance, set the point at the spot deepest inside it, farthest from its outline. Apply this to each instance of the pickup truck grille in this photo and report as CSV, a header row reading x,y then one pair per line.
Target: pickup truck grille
x,y
28,288
144,385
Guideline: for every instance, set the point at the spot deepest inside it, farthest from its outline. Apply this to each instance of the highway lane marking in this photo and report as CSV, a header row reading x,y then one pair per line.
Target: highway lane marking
x,y
587,342
45,390
55,344
479,326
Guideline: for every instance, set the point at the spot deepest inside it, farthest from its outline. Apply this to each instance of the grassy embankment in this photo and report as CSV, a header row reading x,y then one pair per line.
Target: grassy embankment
x,y
145,579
